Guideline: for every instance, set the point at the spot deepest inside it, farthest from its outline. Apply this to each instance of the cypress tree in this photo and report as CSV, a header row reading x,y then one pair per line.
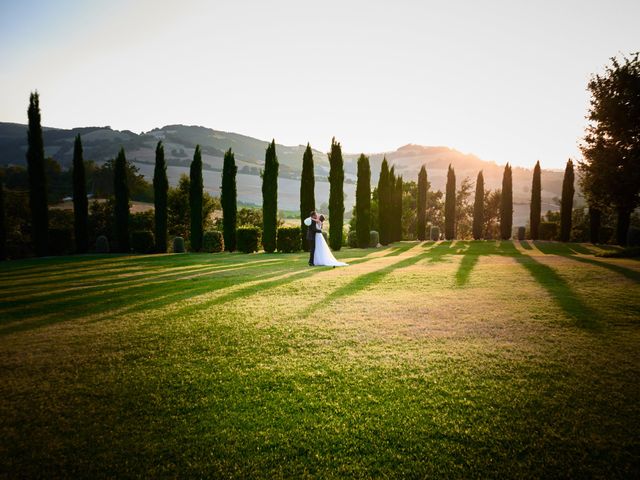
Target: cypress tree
x,y
450,205
422,204
566,204
506,204
228,199
397,216
383,202
160,194
270,198
80,202
121,208
391,205
37,179
363,201
478,207
3,224
336,195
536,202
195,200
307,192
595,216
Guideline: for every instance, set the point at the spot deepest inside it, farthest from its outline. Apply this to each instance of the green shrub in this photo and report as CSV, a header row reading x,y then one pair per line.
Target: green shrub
x,y
212,241
60,241
606,234
142,241
248,239
140,221
289,239
434,234
102,244
521,232
353,239
548,230
374,239
178,245
633,237
630,252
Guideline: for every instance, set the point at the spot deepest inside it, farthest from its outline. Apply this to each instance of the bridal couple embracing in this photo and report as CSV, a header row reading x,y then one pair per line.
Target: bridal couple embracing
x,y
319,253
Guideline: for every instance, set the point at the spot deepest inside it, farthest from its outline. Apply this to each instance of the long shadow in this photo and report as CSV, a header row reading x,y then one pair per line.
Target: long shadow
x,y
470,258
626,272
559,248
403,247
526,245
557,287
158,295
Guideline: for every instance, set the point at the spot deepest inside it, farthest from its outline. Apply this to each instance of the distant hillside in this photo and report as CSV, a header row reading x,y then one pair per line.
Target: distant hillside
x,y
103,143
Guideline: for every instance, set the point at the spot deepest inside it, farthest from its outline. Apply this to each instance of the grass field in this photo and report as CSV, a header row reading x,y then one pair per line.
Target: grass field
x,y
450,360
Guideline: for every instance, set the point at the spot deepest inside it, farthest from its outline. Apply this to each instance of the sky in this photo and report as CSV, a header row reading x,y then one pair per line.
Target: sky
x,y
505,80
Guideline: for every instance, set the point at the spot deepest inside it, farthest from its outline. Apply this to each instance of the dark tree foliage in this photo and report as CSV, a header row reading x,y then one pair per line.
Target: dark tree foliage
x,y
536,203
611,149
478,208
422,205
3,224
450,205
336,195
595,219
121,207
195,200
397,209
80,201
506,204
383,203
37,179
391,207
160,199
307,192
363,202
229,201
566,205
270,199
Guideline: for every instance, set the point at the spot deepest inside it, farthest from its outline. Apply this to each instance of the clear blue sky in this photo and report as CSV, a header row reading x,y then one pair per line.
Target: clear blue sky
x,y
505,80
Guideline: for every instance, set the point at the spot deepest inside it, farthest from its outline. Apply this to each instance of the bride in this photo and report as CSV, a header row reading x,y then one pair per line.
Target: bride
x,y
322,256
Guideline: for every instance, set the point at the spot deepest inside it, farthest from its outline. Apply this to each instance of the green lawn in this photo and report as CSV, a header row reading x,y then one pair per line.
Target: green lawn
x,y
449,360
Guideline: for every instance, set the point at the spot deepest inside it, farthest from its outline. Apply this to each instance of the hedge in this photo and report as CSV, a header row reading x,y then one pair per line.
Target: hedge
x,y
289,239
353,239
248,239
212,241
142,241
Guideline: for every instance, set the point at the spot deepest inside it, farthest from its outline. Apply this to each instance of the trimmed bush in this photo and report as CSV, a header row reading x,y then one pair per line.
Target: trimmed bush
x,y
434,234
606,234
178,245
248,239
521,232
374,239
633,237
352,239
212,241
288,239
142,241
548,231
102,244
60,241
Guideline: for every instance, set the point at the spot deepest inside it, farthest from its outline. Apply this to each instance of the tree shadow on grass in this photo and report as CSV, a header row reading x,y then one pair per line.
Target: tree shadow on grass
x,y
557,287
526,245
470,258
397,250
564,249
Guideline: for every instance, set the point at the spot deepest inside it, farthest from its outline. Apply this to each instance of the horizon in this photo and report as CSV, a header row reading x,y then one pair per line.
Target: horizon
x,y
507,84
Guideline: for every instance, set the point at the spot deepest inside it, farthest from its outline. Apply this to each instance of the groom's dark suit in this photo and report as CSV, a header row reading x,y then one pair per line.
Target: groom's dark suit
x,y
311,238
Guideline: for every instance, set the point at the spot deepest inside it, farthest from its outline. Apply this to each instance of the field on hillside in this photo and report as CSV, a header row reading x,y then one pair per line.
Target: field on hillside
x,y
450,360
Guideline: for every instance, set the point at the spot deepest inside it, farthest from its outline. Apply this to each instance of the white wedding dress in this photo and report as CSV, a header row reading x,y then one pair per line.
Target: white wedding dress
x,y
322,256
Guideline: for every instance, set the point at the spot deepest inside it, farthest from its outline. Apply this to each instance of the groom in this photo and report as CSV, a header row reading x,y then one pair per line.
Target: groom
x,y
312,229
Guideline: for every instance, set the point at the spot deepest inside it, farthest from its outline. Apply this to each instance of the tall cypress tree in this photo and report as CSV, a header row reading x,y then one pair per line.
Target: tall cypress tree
x,y
270,198
37,179
566,204
196,199
228,199
595,217
3,224
160,194
478,207
397,215
336,195
363,201
121,208
391,205
383,202
506,204
536,202
450,205
80,202
422,204
307,192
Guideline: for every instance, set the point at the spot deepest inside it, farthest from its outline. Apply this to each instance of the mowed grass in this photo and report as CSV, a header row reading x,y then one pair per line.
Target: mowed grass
x,y
448,359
